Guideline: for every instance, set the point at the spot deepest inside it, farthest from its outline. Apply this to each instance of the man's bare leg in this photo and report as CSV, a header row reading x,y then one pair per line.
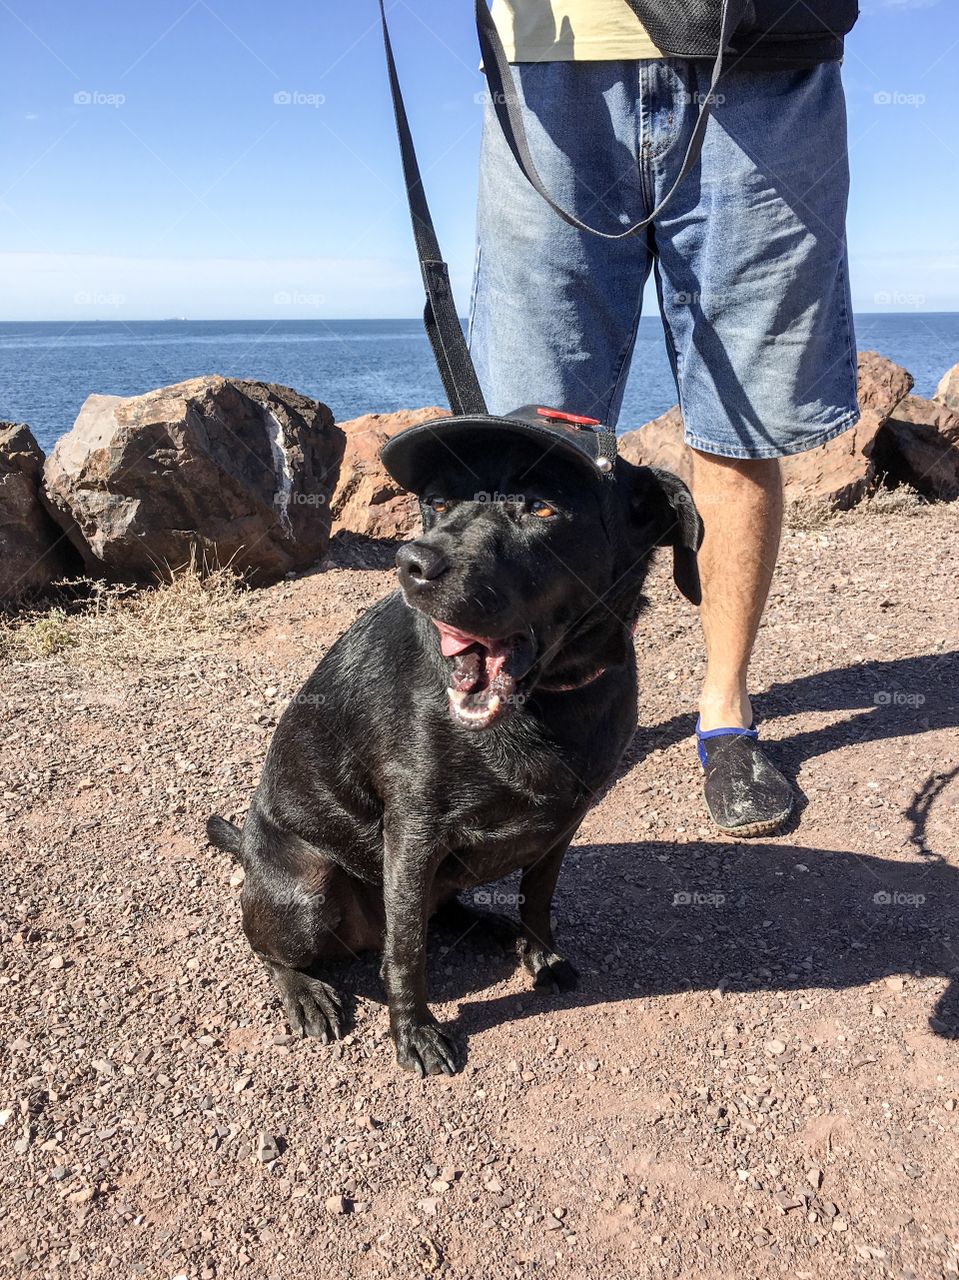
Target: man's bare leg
x,y
741,505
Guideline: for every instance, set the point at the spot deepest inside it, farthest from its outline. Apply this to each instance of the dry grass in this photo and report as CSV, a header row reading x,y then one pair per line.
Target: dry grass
x,y
807,514
90,621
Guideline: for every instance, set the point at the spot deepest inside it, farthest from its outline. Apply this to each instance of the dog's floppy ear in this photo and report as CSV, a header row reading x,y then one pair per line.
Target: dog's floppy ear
x,y
663,510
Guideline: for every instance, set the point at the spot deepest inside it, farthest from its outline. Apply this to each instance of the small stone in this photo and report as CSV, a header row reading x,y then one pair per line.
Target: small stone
x,y
337,1204
240,1083
787,1202
439,1185
774,1048
839,1224
592,1064
237,878
951,1104
558,1212
428,1207
267,1148
56,962
895,984
814,1177
877,1010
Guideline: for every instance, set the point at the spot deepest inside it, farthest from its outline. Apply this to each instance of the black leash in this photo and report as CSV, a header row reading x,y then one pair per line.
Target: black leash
x,y
443,327
509,112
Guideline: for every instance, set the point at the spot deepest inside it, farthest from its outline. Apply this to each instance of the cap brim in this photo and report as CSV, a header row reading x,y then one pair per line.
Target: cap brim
x,y
414,456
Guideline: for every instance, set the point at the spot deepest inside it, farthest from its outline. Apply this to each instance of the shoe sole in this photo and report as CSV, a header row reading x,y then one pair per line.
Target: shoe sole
x,y
753,829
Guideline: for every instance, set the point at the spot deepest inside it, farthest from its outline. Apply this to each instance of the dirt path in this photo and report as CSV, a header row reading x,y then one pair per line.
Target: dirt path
x,y
747,1083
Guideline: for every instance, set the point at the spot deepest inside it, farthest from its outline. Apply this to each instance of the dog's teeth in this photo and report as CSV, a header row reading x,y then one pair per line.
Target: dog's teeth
x,y
494,703
457,696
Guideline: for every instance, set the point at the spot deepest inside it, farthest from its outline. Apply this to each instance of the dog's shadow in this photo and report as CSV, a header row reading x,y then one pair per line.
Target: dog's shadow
x,y
648,919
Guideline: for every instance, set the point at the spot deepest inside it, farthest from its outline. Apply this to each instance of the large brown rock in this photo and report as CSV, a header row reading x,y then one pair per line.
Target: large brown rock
x,y
31,551
222,471
836,474
930,413
919,446
367,501
947,392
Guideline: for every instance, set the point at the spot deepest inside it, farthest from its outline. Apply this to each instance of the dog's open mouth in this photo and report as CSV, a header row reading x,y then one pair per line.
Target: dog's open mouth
x,y
485,674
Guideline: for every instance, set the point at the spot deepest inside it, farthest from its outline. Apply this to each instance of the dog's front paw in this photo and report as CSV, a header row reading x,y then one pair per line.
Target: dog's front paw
x,y
551,973
423,1048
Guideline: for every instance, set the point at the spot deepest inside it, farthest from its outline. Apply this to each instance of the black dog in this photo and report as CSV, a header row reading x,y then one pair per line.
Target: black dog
x,y
459,730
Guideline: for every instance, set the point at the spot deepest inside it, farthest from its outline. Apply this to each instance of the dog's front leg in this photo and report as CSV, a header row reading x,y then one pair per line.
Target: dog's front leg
x,y
409,869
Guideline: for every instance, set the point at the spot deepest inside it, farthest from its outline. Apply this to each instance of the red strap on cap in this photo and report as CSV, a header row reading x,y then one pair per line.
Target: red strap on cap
x,y
557,415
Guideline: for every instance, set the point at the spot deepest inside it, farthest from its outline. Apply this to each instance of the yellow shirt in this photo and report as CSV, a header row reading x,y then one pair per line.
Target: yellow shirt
x,y
571,31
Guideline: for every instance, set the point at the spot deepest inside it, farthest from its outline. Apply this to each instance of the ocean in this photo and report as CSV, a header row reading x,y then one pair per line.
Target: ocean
x,y
48,368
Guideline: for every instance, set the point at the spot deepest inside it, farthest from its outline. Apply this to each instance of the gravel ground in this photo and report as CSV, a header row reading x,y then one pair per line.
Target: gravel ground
x,y
756,1077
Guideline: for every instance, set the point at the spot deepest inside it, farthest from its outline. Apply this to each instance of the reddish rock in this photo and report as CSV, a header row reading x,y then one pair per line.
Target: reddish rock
x,y
881,383
930,413
947,392
366,500
919,446
216,469
32,554
659,443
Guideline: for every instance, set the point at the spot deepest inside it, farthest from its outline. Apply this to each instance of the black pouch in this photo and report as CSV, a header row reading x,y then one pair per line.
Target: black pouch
x,y
770,33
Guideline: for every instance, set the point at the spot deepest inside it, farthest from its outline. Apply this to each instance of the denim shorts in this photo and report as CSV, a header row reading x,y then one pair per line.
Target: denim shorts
x,y
749,257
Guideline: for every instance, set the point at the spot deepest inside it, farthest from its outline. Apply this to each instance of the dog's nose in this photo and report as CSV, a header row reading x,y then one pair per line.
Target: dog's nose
x,y
420,563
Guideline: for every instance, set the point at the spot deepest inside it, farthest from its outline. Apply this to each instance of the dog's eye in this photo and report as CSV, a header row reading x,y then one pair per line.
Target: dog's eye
x,y
438,505
541,509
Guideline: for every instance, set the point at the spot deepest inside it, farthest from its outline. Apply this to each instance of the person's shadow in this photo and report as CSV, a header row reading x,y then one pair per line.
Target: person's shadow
x,y
895,699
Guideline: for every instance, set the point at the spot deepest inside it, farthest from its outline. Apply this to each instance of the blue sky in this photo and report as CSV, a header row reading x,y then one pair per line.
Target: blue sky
x,y
147,168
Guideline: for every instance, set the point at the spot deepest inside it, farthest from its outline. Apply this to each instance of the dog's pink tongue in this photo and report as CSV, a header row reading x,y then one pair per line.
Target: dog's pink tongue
x,y
453,642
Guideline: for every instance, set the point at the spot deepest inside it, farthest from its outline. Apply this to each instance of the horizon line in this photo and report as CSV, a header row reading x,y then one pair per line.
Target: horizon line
x,y
345,319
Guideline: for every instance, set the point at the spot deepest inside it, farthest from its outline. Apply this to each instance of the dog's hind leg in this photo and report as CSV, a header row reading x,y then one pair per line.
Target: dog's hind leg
x,y
300,909
493,926
550,971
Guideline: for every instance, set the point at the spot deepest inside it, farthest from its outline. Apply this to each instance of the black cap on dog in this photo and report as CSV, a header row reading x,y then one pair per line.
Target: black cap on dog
x,y
413,456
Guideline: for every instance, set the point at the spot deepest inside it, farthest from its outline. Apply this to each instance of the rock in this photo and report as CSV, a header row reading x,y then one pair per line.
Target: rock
x,y
267,1148
919,446
215,470
659,444
881,384
836,474
337,1204
33,552
929,413
366,500
814,1177
774,1048
947,392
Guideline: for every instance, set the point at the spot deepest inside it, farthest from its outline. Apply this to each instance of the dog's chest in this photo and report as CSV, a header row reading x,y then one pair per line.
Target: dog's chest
x,y
494,826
